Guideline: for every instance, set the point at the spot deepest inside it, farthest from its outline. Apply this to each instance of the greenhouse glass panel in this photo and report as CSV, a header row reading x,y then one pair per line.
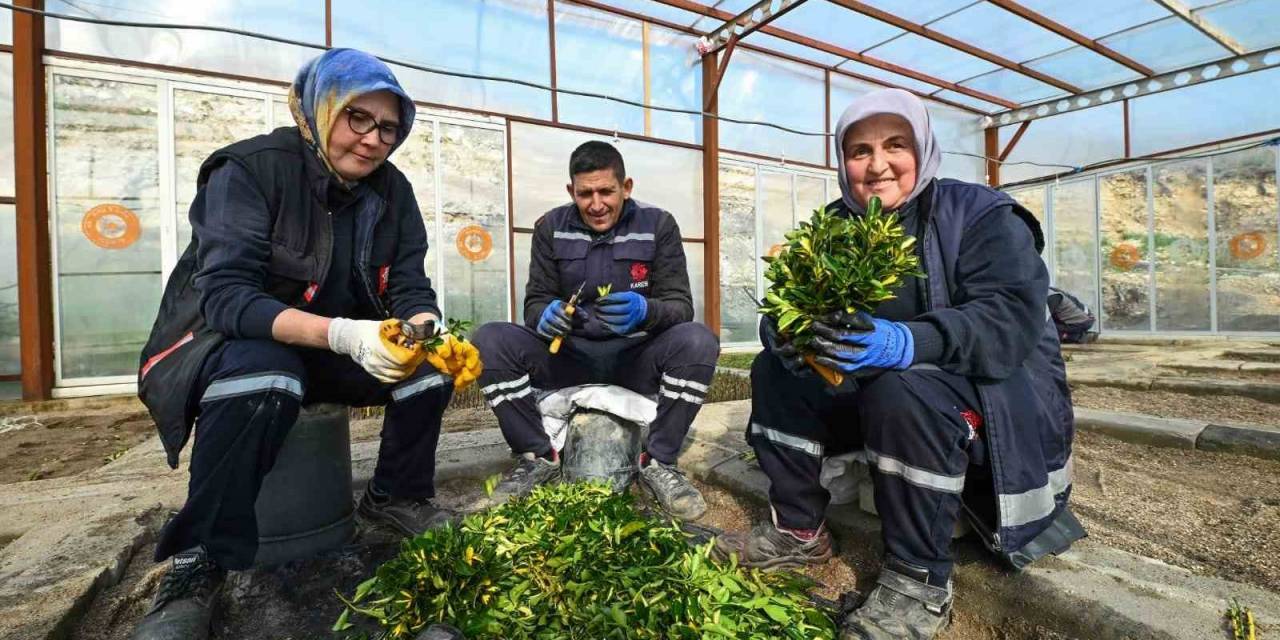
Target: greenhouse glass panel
x,y
1125,243
1203,113
1019,40
6,125
416,159
695,262
106,222
811,194
771,43
656,10
664,176
505,38
675,75
827,22
280,114
888,77
959,132
1064,141
473,183
920,11
777,211
1166,45
843,92
1013,86
6,26
960,98
203,123
1083,68
932,58
207,50
1075,245
738,318
603,53
1246,219
1033,199
522,245
1097,18
10,352
1252,23
1181,246
767,89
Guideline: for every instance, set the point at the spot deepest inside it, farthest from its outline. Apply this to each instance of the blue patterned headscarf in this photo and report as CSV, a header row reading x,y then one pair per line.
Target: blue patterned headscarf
x,y
328,83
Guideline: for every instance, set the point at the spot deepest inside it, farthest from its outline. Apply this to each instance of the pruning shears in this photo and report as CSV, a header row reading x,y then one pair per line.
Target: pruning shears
x,y
569,309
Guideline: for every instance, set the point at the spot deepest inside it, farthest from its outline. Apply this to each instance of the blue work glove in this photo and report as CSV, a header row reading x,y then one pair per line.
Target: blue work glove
x,y
555,321
851,343
623,312
783,349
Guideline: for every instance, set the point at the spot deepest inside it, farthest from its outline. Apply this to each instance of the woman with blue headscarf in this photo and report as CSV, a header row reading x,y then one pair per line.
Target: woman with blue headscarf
x,y
955,394
304,241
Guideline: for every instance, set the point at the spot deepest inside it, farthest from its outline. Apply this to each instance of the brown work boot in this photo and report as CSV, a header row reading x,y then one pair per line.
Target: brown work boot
x,y
903,606
769,547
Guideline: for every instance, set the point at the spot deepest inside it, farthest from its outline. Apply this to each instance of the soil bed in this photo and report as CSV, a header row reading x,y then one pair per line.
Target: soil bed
x,y
1168,404
55,445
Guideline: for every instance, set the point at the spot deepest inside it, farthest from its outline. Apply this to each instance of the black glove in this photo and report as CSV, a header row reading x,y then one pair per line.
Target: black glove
x,y
782,349
844,342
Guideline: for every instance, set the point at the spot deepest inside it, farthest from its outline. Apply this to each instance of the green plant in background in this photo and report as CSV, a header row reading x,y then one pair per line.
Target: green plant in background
x,y
577,561
833,263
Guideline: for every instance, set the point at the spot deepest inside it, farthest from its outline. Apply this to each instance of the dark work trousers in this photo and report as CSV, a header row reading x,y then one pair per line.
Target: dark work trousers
x,y
249,393
914,428
676,365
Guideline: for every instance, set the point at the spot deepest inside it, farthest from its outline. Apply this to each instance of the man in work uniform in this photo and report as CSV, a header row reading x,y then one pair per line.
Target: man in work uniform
x,y
303,240
641,335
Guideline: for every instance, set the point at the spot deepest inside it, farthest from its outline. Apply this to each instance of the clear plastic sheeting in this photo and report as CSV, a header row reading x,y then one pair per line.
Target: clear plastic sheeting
x,y
1166,45
695,262
958,131
1097,18
843,91
1073,139
656,10
473,223
506,38
600,52
738,255
768,89
204,50
1181,218
1011,85
105,152
891,78
1235,106
6,125
1083,68
1252,23
6,26
522,244
675,80
1124,243
10,360
416,159
1075,243
830,23
968,101
933,58
779,45
665,176
921,11
1247,247
1018,39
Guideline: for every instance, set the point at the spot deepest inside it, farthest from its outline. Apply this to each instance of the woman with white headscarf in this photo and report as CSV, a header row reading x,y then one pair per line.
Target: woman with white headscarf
x,y
957,394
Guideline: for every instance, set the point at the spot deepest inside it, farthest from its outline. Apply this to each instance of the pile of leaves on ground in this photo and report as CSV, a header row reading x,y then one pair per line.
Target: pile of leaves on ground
x,y
578,561
833,263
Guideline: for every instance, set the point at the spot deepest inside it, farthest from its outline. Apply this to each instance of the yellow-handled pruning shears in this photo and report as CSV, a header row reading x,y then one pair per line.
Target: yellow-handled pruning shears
x,y
569,309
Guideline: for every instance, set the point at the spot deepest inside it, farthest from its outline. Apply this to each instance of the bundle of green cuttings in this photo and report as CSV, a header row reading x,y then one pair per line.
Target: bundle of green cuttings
x,y
577,561
832,263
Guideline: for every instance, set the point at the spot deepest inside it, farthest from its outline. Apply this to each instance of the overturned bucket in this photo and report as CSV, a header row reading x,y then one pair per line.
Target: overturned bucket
x,y
305,506
601,446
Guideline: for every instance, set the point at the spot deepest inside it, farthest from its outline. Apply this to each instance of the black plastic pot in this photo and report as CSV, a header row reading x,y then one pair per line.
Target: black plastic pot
x,y
601,446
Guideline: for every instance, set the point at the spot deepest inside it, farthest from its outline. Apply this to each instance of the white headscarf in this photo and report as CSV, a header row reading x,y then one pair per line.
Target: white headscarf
x,y
910,108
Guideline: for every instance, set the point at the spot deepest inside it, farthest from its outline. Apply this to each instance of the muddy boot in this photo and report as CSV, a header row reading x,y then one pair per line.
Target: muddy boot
x,y
903,606
530,471
183,606
672,490
768,547
407,516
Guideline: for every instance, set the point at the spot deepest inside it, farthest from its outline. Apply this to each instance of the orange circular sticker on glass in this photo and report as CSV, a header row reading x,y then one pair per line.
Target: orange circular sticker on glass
x,y
1248,246
111,226
1125,256
474,243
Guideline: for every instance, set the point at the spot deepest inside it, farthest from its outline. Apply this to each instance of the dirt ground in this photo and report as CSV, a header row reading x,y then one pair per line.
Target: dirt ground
x,y
1167,404
52,445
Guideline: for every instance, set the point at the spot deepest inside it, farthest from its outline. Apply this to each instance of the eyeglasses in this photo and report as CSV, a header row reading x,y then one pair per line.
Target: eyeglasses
x,y
362,122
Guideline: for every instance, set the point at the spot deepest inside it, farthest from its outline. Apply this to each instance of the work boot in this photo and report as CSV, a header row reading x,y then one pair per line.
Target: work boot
x,y
768,547
183,606
530,471
407,516
440,632
902,606
671,490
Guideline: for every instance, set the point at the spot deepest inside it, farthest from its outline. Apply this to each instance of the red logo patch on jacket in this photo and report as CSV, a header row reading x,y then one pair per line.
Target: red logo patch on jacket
x,y
384,274
974,420
639,272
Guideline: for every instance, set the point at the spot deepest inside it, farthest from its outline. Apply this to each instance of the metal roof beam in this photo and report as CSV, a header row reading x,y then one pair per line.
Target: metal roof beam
x,y
752,19
1203,26
1177,79
926,32
694,7
1092,45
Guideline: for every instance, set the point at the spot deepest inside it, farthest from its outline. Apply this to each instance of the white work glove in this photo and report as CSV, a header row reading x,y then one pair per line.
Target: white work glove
x,y
362,340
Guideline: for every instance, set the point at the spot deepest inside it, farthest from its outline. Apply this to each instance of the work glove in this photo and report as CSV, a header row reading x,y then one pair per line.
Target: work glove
x,y
853,343
782,348
622,313
555,321
456,358
362,341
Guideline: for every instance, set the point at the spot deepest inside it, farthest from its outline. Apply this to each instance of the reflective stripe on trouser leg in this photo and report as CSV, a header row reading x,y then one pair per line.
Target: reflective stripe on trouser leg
x,y
410,434
515,404
253,383
681,393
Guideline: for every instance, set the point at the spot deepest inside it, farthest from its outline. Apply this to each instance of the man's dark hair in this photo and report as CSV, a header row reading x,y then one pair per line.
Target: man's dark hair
x,y
594,156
